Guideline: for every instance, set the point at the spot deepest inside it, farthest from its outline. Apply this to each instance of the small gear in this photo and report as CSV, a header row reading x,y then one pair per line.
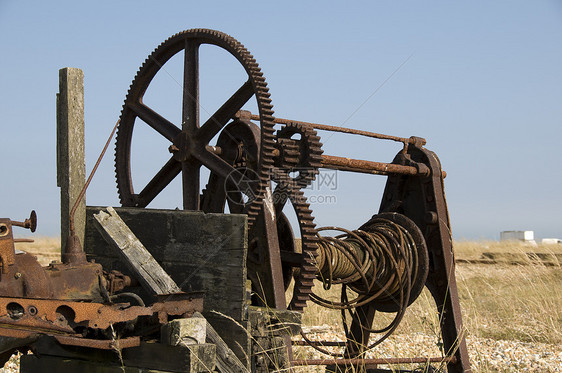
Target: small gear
x,y
300,155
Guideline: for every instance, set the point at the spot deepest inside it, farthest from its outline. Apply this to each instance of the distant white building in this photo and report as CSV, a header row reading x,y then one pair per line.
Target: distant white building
x,y
551,241
525,236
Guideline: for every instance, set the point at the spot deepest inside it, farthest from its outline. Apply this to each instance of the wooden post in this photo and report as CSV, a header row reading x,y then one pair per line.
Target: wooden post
x,y
71,168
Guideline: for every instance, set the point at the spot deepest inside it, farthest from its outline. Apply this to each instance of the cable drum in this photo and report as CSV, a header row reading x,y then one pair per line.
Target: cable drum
x,y
385,262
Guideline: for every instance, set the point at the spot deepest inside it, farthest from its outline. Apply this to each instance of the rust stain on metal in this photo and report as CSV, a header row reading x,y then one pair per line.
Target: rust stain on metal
x,y
405,360
362,166
101,344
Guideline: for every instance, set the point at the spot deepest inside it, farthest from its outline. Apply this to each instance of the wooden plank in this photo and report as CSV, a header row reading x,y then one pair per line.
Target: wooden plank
x,y
200,251
71,166
147,356
149,273
226,360
33,363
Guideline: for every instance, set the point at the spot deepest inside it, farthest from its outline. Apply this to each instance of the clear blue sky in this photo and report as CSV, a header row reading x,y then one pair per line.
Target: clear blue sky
x,y
483,86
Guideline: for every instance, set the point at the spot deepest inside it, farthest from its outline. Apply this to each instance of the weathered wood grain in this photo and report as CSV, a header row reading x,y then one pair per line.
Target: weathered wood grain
x,y
127,245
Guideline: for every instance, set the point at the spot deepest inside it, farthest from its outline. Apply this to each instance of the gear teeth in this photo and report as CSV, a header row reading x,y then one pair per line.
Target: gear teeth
x,y
309,153
144,75
305,278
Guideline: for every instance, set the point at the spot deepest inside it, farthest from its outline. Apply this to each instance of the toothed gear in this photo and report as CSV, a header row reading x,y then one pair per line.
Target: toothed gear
x,y
299,158
305,273
134,108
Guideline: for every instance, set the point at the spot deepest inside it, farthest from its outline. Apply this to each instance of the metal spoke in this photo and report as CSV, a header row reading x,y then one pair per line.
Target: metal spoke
x,y
155,120
235,180
219,166
219,119
190,112
190,184
164,177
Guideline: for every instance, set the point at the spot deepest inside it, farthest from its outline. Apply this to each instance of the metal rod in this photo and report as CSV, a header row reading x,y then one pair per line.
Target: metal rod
x,y
358,165
319,343
20,240
81,195
325,127
406,360
349,164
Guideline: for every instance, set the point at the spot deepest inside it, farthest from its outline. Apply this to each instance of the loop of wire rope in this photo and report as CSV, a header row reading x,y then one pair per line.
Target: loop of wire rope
x,y
378,263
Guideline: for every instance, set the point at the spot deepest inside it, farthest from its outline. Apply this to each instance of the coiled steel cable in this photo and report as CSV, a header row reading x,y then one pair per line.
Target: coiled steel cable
x,y
380,262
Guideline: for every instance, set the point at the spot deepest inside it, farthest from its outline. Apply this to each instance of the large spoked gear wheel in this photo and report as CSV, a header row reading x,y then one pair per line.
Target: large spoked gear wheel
x,y
300,154
189,142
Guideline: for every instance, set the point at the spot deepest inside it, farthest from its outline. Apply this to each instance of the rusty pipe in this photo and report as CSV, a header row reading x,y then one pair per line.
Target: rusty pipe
x,y
406,360
368,167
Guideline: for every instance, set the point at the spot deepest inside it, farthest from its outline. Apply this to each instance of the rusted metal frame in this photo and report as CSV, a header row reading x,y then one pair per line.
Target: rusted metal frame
x,y
422,199
24,317
359,331
7,249
380,361
266,267
73,339
273,252
100,344
442,283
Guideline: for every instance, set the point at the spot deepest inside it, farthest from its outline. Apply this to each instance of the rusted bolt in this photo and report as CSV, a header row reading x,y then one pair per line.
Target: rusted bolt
x,y
431,217
32,310
173,149
17,275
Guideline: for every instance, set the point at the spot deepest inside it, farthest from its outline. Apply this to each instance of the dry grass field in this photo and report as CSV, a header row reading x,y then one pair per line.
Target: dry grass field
x,y
512,313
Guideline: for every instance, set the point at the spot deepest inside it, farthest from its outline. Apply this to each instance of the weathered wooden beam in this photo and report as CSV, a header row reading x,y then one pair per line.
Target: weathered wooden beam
x,y
186,331
201,252
147,358
71,168
226,362
149,273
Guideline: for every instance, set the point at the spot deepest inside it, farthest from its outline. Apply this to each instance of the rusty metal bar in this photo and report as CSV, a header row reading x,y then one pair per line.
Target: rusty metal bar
x,y
325,127
390,361
20,240
83,191
352,165
319,343
368,167
356,165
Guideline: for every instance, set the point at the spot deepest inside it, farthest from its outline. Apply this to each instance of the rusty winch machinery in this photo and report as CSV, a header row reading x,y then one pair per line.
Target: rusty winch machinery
x,y
260,165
